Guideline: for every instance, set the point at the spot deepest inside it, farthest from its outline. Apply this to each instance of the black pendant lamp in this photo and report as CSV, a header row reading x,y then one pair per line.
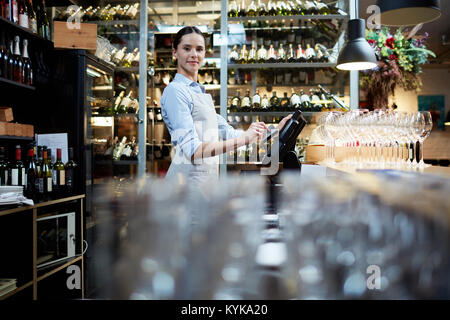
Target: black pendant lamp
x,y
357,53
408,12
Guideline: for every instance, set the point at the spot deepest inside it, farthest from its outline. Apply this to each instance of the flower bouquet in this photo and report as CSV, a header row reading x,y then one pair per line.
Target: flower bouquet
x,y
399,58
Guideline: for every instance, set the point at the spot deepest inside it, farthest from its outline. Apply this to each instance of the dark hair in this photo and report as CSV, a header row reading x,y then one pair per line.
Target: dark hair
x,y
184,31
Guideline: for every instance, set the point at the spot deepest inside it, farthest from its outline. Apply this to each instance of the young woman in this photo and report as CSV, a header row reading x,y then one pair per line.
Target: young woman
x,y
190,116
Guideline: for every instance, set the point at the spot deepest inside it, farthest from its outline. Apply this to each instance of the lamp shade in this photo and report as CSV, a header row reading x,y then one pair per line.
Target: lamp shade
x,y
357,53
408,12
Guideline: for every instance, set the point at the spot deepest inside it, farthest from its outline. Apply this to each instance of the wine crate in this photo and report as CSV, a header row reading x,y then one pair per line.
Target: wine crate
x,y
83,38
6,114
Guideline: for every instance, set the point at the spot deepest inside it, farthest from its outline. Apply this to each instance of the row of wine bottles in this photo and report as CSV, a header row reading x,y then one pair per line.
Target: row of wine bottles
x,y
158,151
28,14
286,76
123,104
15,64
106,13
314,102
279,8
118,149
280,55
41,178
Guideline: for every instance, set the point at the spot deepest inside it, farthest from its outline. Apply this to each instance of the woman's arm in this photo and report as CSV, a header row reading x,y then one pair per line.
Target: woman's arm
x,y
211,149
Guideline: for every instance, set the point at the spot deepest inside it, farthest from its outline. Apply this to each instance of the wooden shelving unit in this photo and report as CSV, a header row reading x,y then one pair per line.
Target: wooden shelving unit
x,y
33,210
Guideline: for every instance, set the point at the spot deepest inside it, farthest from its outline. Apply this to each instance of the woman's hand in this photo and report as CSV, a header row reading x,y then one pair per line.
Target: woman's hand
x,y
256,130
283,122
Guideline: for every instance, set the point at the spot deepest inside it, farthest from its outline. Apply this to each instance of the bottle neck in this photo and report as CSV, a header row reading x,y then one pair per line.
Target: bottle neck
x,y
58,155
25,49
18,154
16,48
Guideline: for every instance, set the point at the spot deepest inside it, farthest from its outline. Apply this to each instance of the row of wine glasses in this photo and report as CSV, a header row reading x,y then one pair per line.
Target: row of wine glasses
x,y
376,139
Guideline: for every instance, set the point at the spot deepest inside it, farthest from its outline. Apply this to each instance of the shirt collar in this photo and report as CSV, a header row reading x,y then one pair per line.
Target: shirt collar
x,y
183,79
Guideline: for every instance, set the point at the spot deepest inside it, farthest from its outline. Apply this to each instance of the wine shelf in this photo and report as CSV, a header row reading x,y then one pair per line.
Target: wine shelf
x,y
25,31
17,84
280,65
16,138
342,16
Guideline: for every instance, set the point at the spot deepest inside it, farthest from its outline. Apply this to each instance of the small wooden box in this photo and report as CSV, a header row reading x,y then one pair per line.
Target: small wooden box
x,y
10,129
3,131
83,38
6,114
28,130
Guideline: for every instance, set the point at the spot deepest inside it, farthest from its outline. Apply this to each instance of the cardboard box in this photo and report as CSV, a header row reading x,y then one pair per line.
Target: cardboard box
x,y
6,114
75,36
18,130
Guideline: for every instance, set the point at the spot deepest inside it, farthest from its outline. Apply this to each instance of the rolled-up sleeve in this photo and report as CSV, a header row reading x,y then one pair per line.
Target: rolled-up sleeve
x,y
226,131
176,106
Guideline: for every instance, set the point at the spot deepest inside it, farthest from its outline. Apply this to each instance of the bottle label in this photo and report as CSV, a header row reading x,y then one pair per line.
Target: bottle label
x,y
33,25
49,184
62,178
40,185
23,20
24,177
256,99
295,99
246,102
69,178
6,178
15,10
54,178
14,177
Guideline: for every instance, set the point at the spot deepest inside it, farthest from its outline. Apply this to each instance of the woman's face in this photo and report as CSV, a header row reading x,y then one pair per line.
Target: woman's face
x,y
190,53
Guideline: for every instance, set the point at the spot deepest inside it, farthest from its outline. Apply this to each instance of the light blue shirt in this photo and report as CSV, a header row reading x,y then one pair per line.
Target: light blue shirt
x,y
176,109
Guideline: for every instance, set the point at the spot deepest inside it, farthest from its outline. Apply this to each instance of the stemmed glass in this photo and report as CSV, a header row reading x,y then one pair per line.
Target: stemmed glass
x,y
417,129
428,126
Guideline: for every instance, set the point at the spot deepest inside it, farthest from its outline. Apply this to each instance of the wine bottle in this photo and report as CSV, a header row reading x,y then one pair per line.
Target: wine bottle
x,y
252,10
38,155
117,102
295,101
118,149
256,100
252,54
23,14
272,8
14,11
281,54
43,22
234,55
133,12
136,58
246,101
293,8
45,178
271,56
314,98
310,54
125,103
284,103
262,54
18,62
32,20
262,10
291,54
244,55
117,59
17,169
3,62
265,104
274,102
305,101
59,175
30,174
3,167
71,174
27,68
310,8
300,8
322,7
233,9
236,102
241,10
11,61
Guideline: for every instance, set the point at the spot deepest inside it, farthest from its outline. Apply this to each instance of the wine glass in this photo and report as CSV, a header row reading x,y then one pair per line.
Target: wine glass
x,y
428,126
417,129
